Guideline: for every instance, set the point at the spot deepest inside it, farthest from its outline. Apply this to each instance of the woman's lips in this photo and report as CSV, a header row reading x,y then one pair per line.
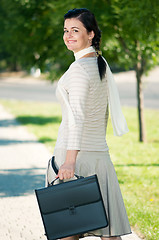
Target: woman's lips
x,y
71,41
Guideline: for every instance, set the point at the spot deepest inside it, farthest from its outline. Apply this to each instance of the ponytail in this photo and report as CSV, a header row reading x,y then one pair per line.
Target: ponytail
x,y
101,65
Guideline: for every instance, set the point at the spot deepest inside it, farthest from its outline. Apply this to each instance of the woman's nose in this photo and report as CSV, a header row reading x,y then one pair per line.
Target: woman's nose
x,y
70,34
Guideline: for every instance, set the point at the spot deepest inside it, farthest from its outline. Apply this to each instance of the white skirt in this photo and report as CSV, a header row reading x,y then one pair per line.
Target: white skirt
x,y
90,163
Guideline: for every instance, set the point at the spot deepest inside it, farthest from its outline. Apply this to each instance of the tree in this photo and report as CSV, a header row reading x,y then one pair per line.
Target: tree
x,y
136,31
31,35
130,39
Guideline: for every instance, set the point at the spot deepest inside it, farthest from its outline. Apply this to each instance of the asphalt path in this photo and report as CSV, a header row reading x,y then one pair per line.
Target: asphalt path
x,y
34,90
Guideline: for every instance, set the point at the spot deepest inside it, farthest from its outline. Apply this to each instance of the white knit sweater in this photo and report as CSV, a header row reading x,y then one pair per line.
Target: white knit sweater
x,y
84,100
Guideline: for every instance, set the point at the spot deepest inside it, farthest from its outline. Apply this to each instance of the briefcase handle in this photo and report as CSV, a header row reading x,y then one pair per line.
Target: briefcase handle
x,y
56,171
52,183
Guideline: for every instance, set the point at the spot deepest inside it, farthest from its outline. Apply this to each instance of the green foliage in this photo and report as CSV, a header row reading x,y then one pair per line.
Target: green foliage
x,y
31,32
136,164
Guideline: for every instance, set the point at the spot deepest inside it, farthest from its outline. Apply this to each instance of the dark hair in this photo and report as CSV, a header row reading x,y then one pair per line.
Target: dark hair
x,y
90,23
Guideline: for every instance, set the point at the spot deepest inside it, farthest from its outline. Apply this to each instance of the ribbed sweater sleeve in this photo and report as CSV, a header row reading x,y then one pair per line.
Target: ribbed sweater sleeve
x,y
78,90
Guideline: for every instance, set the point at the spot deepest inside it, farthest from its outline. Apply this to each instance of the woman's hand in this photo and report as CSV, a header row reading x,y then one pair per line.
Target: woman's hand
x,y
67,170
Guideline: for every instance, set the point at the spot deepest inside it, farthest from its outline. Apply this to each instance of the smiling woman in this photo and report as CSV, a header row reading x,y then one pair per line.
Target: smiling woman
x,y
76,36
85,91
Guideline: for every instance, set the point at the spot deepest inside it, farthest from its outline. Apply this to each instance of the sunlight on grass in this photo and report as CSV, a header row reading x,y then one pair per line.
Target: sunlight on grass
x,y
136,164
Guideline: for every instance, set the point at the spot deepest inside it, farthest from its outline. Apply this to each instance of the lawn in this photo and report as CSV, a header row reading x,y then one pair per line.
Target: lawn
x,y
136,164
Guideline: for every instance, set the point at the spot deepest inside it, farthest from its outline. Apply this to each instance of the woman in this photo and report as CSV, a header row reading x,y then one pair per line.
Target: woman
x,y
84,91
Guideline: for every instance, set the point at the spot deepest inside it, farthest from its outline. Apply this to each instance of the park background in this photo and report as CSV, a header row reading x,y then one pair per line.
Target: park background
x,y
31,38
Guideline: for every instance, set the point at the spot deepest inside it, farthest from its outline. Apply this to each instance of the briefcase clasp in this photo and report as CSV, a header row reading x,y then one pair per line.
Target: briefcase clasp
x,y
72,210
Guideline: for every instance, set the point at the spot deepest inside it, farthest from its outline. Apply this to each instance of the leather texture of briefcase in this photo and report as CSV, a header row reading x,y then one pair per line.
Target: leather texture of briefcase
x,y
72,208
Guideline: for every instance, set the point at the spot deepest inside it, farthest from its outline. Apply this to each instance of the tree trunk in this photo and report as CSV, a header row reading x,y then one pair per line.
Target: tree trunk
x,y
14,66
140,99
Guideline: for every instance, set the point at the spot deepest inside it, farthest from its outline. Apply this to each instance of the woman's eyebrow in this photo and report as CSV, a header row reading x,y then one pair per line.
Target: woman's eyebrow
x,y
71,27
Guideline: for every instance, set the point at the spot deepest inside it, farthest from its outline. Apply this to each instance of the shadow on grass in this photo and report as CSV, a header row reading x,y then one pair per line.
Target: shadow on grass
x,y
120,181
154,141
46,140
38,120
137,165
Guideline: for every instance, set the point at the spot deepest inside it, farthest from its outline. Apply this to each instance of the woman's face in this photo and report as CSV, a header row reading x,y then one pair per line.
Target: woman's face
x,y
76,36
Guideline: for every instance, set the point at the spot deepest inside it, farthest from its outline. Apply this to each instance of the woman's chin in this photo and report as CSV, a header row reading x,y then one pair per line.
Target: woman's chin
x,y
71,48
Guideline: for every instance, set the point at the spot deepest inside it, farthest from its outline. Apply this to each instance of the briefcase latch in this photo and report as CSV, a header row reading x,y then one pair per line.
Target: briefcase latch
x,y
72,210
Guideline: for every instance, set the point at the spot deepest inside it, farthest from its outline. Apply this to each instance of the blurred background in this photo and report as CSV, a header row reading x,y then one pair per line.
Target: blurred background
x,y
32,58
31,38
31,34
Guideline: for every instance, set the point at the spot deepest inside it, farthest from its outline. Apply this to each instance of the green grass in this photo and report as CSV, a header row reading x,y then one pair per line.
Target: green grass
x,y
136,164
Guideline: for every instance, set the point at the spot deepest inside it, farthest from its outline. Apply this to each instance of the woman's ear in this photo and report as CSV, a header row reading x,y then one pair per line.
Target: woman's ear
x,y
91,34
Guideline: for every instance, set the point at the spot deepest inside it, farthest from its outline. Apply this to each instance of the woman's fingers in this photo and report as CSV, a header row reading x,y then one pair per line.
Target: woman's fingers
x,y
64,176
65,173
72,174
61,174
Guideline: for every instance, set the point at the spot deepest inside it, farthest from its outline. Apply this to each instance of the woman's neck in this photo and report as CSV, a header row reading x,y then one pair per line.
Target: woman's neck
x,y
86,52
89,55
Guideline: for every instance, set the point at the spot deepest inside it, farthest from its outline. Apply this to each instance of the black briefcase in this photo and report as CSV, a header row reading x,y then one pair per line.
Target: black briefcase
x,y
72,208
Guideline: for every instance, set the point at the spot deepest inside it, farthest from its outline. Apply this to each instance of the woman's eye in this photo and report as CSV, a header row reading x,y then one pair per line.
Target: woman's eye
x,y
73,31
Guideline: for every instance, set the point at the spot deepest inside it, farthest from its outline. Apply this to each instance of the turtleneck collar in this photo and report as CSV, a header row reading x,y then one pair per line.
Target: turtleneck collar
x,y
83,52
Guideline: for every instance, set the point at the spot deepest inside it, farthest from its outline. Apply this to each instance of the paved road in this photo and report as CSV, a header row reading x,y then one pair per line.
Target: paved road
x,y
23,163
128,95
22,89
35,91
